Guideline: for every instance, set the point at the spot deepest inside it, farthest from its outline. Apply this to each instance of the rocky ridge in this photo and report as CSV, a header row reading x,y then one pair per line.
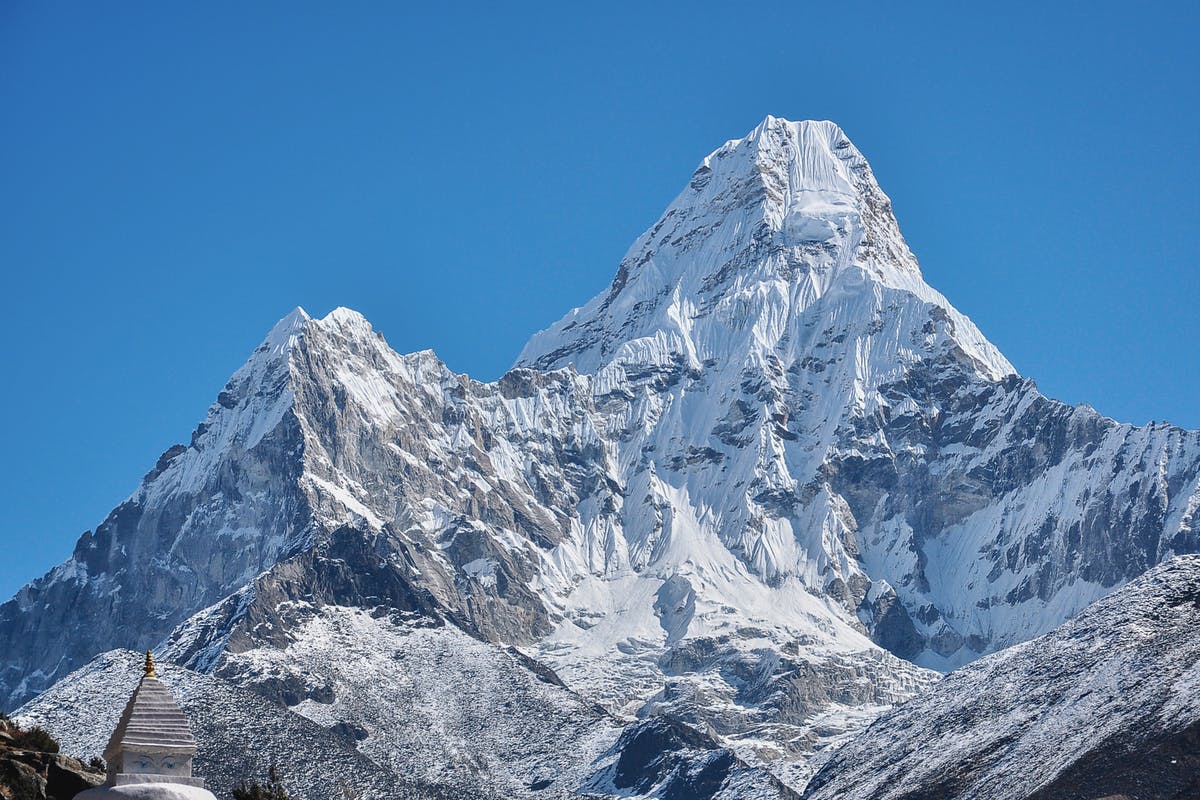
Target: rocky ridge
x,y
1108,704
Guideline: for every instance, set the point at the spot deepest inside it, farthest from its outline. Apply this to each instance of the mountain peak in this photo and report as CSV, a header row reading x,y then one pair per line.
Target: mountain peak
x,y
341,321
815,151
346,320
284,333
772,125
813,180
768,225
292,320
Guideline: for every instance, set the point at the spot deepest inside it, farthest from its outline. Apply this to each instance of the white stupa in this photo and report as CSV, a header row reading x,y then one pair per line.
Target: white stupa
x,y
150,753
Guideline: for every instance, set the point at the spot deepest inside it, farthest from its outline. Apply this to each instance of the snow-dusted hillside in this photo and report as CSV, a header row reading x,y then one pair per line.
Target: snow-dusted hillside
x,y
1106,705
428,701
378,705
238,733
737,490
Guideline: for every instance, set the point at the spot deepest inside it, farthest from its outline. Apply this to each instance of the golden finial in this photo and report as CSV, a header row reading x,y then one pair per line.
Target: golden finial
x,y
150,665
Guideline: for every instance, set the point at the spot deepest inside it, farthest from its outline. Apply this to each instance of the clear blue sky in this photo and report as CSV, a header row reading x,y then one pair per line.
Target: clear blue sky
x,y
174,177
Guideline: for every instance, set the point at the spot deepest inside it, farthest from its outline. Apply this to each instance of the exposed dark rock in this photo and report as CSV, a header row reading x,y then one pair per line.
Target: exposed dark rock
x,y
664,758
41,774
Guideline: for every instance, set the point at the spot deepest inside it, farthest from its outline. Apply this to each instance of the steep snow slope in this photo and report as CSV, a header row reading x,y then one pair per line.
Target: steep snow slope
x,y
1108,704
783,379
768,225
712,493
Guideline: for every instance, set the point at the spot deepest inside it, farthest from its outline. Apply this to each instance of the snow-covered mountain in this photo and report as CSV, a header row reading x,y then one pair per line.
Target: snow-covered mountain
x,y
1107,705
800,389
736,491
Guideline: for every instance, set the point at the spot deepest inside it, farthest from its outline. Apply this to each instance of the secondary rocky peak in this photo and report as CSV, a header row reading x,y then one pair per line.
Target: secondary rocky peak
x,y
346,319
341,322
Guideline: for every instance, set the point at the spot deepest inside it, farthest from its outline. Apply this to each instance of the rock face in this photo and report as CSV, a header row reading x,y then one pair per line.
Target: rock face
x,y
1108,704
207,519
665,759
737,490
29,772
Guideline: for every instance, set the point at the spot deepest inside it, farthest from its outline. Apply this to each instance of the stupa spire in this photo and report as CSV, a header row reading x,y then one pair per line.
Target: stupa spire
x,y
150,673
